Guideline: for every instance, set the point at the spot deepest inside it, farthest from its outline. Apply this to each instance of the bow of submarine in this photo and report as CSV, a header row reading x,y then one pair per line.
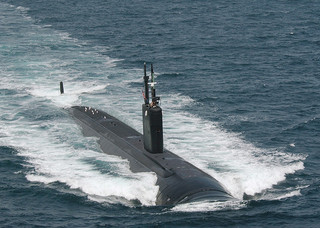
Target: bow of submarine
x,y
178,180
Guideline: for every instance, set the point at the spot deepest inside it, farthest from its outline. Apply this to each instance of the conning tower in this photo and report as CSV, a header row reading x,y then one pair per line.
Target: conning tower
x,y
152,117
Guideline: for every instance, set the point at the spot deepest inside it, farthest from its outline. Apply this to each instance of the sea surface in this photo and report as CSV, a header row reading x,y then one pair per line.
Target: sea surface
x,y
240,90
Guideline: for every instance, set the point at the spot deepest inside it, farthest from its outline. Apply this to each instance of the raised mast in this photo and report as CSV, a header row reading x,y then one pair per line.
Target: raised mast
x,y
146,85
152,118
153,90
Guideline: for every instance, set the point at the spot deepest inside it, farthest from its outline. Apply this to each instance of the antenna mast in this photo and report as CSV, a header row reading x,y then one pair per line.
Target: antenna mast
x,y
146,86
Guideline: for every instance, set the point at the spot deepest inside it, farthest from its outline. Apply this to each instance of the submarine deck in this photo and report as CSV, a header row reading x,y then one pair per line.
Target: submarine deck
x,y
173,172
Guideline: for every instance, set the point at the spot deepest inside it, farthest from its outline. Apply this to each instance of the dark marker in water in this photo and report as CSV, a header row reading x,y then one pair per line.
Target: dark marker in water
x,y
61,88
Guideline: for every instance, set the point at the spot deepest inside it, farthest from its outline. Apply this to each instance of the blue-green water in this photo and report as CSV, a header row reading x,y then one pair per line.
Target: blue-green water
x,y
239,82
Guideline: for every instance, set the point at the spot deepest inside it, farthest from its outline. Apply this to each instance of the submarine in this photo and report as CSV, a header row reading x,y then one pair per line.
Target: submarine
x,y
179,181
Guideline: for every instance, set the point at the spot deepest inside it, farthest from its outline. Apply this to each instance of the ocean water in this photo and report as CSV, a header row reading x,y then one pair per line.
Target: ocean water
x,y
240,88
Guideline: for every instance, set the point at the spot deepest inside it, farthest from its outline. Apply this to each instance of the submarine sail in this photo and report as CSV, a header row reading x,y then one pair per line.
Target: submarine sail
x,y
179,181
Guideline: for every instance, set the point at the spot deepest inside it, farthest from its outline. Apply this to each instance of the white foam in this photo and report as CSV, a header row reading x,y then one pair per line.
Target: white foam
x,y
288,195
204,206
23,9
280,194
56,161
240,166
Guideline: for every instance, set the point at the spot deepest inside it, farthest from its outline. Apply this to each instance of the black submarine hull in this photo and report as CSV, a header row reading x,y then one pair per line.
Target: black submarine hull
x,y
178,180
